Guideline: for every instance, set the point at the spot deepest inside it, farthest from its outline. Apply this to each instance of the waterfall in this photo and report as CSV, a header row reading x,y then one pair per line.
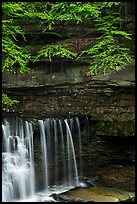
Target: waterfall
x,y
44,150
18,177
63,150
80,145
30,147
48,160
71,149
56,152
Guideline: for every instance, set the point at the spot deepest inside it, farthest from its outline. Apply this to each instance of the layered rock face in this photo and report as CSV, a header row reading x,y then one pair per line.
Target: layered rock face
x,y
109,103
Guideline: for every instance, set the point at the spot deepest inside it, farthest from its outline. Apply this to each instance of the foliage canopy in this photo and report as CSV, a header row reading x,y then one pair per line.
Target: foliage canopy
x,y
108,53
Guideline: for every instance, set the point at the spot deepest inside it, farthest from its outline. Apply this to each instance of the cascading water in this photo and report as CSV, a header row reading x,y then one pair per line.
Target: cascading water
x,y
80,145
21,169
18,176
71,150
44,151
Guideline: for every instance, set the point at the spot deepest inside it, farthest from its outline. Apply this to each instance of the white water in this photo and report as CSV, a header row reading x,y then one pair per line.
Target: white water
x,y
44,151
18,177
63,151
71,148
56,152
80,146
18,161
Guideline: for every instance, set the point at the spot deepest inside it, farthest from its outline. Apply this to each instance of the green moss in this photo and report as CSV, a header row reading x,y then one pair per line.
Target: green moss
x,y
131,118
115,128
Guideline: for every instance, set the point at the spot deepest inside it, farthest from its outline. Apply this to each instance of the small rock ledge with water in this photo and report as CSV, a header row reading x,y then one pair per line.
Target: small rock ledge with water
x,y
93,194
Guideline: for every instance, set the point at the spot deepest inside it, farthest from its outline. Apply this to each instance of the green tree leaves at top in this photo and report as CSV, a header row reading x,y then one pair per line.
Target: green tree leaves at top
x,y
13,55
108,53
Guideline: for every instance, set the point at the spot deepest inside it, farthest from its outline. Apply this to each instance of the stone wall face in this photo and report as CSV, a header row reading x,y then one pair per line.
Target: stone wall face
x,y
62,90
110,107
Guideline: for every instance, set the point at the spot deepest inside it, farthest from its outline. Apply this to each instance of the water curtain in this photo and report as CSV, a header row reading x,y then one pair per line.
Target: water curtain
x,y
60,152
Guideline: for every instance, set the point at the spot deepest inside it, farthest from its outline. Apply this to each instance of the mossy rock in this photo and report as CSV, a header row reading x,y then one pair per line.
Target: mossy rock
x,y
100,194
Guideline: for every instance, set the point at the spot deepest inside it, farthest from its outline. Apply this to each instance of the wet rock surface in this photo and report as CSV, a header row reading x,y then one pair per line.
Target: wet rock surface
x,y
118,176
115,183
96,194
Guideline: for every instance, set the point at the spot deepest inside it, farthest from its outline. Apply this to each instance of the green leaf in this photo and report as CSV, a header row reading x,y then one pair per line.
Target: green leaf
x,y
7,101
